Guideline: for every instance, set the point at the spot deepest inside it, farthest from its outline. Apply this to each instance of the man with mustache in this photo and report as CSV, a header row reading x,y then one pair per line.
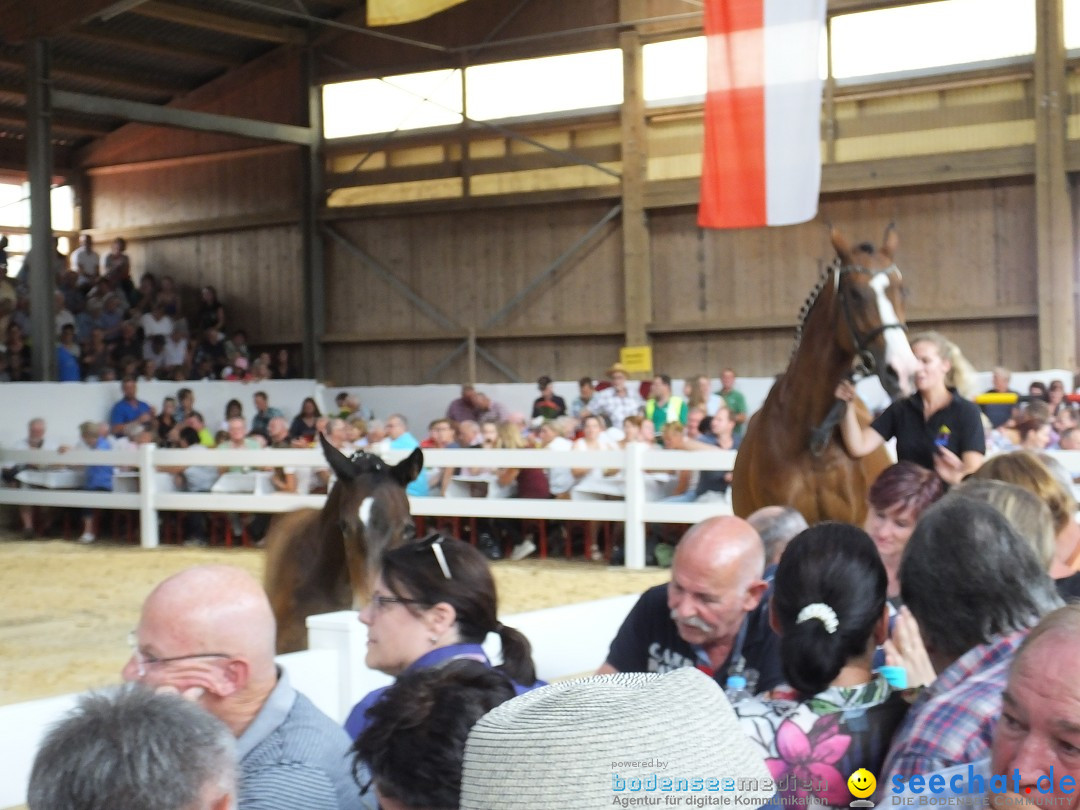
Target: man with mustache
x,y
713,615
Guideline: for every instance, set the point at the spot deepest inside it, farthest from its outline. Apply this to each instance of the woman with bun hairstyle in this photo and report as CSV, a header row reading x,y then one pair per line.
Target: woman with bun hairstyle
x,y
835,715
434,601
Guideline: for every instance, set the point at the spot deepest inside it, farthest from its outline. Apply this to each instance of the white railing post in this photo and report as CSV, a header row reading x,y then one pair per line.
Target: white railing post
x,y
634,530
148,516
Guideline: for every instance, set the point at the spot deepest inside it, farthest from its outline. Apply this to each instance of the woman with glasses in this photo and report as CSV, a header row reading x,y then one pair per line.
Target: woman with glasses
x,y
434,601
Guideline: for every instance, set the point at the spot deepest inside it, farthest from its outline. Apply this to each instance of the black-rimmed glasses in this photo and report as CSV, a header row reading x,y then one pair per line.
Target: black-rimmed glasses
x,y
145,660
381,602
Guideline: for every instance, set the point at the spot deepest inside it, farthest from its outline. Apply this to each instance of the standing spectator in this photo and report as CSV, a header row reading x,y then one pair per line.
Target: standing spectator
x,y
68,353
617,402
263,413
86,262
134,747
463,409
400,439
734,399
99,478
208,633
586,391
662,406
130,410
549,404
487,410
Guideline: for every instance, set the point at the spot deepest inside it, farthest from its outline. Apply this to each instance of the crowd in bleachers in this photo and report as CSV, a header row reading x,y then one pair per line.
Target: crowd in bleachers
x,y
108,328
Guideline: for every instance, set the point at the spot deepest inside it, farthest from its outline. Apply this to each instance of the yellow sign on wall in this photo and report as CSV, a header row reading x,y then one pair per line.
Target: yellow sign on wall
x,y
637,359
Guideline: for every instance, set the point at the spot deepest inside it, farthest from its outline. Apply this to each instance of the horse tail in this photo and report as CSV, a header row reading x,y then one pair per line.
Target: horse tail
x,y
517,656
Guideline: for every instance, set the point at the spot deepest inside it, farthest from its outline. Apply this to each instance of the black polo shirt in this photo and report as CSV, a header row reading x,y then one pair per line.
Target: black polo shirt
x,y
916,436
649,641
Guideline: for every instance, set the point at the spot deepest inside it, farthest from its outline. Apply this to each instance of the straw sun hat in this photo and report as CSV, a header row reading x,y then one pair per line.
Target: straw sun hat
x,y
586,743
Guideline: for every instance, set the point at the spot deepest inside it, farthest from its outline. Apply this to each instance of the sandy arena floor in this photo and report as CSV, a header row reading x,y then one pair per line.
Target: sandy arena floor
x,y
66,609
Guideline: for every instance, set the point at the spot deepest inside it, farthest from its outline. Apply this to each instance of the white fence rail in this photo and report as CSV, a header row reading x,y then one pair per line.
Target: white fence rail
x,y
634,510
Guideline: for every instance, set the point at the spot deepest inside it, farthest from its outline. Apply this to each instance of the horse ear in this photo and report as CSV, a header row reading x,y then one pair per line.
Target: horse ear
x,y
891,241
406,471
840,245
341,466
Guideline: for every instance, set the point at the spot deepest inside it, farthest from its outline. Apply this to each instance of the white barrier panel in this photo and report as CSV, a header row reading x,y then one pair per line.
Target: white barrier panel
x,y
332,673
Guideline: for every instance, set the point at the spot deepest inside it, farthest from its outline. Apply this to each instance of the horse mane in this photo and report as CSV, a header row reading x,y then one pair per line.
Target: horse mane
x,y
811,299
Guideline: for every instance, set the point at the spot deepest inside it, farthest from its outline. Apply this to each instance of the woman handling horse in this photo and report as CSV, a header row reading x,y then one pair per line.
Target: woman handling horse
x,y
935,427
434,601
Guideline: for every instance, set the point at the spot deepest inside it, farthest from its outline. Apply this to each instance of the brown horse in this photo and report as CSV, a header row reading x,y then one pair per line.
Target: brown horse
x,y
792,453
319,561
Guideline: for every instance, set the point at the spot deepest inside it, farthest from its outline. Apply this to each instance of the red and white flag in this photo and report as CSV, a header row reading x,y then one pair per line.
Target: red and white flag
x,y
762,157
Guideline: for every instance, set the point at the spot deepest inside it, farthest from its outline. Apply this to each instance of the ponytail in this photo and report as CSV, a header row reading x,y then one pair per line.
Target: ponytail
x,y
517,655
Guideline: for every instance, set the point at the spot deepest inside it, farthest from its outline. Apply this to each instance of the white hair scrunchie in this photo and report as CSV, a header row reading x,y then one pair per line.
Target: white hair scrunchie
x,y
823,613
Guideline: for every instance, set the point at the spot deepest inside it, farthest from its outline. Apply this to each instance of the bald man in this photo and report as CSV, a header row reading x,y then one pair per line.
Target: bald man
x,y
713,615
208,632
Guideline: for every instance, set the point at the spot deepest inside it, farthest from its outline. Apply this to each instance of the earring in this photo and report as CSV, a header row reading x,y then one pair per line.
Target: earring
x,y
433,639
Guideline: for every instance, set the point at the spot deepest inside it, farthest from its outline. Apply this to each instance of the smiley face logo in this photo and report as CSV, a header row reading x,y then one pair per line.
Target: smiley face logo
x,y
861,783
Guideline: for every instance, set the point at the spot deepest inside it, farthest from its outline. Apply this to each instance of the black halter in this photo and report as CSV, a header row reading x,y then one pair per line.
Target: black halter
x,y
865,361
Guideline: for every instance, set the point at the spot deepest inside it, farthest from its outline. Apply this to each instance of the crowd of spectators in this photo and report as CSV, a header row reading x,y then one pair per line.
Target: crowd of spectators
x,y
108,328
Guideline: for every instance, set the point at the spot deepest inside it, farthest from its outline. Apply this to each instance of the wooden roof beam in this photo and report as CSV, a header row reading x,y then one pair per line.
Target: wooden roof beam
x,y
128,82
221,23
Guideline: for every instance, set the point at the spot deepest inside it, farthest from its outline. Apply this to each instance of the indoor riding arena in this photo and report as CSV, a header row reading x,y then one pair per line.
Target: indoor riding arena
x,y
505,232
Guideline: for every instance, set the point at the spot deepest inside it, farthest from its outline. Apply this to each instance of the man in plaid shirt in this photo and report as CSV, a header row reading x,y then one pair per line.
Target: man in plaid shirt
x,y
617,402
975,587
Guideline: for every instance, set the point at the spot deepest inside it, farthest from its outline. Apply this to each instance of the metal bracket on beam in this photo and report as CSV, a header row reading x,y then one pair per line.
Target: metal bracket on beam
x,y
184,119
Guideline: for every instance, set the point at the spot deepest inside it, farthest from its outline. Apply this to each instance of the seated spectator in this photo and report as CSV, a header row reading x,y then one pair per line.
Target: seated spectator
x,y
218,621
99,478
400,439
130,410
1034,432
1031,753
117,268
194,478
175,353
586,391
468,434
1037,389
211,313
685,489
63,316
549,404
434,602
128,345
527,753
238,440
899,495
721,434
237,346
304,424
828,607
168,427
1023,509
237,372
95,358
234,409
35,440
85,262
974,587
112,315
777,526
487,410
523,482
185,403
283,367
133,747
263,413
440,435
168,297
553,437
88,319
1026,470
68,353
713,615
148,372
415,739
592,438
195,421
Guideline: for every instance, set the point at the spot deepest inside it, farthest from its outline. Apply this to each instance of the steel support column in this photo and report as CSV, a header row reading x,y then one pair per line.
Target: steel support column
x,y
39,167
314,268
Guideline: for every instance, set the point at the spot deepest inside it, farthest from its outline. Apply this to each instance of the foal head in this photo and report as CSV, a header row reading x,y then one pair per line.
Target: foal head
x,y
870,292
368,511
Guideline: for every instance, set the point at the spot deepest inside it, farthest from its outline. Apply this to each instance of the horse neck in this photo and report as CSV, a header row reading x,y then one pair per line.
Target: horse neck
x,y
330,553
809,384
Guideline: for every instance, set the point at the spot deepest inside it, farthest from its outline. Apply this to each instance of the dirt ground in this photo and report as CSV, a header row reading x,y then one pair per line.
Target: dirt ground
x,y
66,609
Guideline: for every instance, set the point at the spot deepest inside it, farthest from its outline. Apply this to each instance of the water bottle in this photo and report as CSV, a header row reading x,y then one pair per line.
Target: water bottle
x,y
736,688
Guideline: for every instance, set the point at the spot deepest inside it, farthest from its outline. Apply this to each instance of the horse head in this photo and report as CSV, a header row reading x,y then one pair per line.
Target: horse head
x,y
870,292
369,508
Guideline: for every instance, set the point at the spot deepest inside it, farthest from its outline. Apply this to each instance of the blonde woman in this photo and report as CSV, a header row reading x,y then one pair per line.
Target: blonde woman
x,y
936,427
